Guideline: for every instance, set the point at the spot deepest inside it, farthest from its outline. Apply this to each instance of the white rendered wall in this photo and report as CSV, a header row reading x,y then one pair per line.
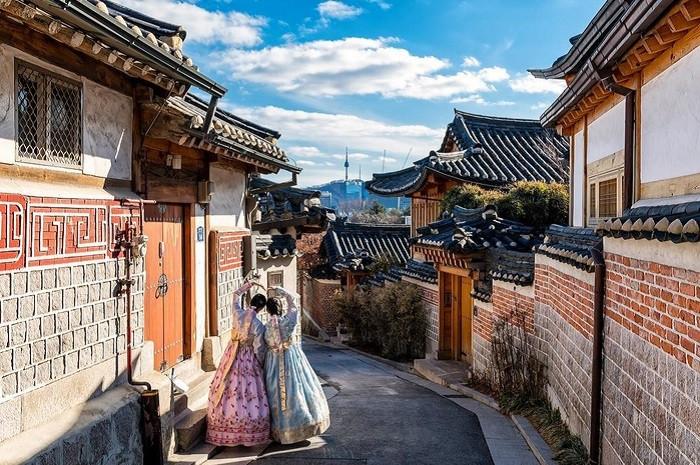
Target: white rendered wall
x,y
606,135
107,120
200,297
671,121
578,181
227,207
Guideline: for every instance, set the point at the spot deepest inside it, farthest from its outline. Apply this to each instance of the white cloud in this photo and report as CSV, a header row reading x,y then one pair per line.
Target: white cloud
x,y
470,62
356,66
351,156
306,162
304,151
381,4
231,28
540,106
337,10
331,133
479,100
528,84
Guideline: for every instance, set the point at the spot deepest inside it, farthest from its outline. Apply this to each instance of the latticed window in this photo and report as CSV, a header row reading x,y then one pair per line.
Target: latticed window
x,y
48,117
607,198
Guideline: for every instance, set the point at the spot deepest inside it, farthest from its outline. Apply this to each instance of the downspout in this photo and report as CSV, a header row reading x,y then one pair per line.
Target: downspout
x,y
597,356
151,431
630,123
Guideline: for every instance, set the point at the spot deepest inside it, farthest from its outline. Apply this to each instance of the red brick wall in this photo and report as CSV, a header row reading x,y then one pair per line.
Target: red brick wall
x,y
318,300
230,249
659,303
45,231
509,303
570,297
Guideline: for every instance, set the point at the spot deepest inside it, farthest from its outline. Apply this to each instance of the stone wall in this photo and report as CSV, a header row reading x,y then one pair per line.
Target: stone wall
x,y
318,301
431,303
563,329
652,356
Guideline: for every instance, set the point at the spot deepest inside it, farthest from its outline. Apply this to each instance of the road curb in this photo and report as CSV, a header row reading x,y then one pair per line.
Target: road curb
x,y
476,395
534,440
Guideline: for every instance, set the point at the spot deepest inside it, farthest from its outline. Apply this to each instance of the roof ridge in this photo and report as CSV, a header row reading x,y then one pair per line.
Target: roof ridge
x,y
255,128
144,19
496,119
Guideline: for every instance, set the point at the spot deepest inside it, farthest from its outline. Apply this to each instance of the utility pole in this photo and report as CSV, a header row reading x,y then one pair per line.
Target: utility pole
x,y
383,160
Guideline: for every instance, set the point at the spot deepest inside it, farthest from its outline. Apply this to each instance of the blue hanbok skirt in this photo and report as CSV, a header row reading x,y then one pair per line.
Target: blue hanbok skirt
x,y
305,413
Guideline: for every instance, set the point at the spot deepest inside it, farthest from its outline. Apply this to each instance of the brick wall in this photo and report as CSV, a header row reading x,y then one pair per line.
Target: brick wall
x,y
563,328
227,263
652,361
60,310
431,304
318,301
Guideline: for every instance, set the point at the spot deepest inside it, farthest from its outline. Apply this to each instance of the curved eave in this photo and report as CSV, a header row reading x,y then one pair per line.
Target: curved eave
x,y
572,61
624,33
403,190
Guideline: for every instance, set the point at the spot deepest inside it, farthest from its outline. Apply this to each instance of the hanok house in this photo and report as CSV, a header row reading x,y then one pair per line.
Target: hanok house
x,y
101,148
493,153
282,215
350,251
622,338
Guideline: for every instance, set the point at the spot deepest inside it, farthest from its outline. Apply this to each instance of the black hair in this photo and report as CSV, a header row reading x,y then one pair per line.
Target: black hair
x,y
258,301
273,306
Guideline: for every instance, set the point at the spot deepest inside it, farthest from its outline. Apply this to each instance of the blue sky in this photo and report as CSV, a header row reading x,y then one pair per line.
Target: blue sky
x,y
374,75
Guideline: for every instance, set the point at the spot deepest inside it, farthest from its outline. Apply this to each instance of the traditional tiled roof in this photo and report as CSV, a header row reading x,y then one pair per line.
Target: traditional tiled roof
x,y
676,219
611,40
490,151
570,245
511,266
472,230
143,47
289,206
227,127
352,246
392,275
275,246
422,271
482,290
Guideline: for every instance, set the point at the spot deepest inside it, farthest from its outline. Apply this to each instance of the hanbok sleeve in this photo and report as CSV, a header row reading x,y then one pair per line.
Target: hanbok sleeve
x,y
238,296
292,317
259,343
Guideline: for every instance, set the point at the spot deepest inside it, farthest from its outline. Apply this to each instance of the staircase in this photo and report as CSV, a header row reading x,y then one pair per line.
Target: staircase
x,y
190,410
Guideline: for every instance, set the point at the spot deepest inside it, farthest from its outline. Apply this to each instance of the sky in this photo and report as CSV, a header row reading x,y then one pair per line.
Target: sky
x,y
375,76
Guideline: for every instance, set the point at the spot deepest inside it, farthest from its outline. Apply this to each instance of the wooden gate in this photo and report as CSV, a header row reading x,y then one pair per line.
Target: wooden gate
x,y
165,279
455,315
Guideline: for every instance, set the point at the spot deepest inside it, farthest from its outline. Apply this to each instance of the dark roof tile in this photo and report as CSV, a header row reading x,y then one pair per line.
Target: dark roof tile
x,y
356,246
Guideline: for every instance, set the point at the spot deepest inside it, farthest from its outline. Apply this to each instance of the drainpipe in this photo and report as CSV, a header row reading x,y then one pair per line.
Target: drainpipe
x,y
152,435
597,359
630,122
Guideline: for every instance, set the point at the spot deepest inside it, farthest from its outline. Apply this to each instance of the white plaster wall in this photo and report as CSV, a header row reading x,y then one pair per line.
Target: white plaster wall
x,y
578,181
200,296
107,117
671,121
107,136
606,135
227,207
287,265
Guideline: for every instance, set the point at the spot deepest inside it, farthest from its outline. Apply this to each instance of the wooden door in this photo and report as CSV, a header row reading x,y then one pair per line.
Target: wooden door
x,y
446,316
165,289
465,317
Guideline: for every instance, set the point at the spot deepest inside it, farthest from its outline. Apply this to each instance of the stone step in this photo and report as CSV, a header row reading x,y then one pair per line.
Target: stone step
x,y
196,456
191,418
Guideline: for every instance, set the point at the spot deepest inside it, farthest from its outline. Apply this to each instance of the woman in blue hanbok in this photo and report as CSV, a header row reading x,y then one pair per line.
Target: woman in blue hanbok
x,y
298,407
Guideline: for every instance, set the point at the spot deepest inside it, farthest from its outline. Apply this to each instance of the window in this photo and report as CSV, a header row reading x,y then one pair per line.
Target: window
x,y
48,117
607,198
275,278
592,202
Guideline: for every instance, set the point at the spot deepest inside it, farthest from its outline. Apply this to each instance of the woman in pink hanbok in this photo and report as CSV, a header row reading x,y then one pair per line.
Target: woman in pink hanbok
x,y
238,412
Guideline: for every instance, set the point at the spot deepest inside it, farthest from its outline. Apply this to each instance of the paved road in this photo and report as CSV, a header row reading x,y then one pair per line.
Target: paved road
x,y
378,418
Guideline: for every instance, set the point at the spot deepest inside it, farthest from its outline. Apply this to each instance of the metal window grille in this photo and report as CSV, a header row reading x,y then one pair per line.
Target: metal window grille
x,y
591,208
275,278
48,117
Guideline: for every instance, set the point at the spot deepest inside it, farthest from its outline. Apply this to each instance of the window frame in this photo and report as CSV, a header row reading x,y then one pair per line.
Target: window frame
x,y
19,158
593,216
270,274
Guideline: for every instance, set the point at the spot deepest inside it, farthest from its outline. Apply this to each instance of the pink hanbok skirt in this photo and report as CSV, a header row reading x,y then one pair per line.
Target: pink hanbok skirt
x,y
242,417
